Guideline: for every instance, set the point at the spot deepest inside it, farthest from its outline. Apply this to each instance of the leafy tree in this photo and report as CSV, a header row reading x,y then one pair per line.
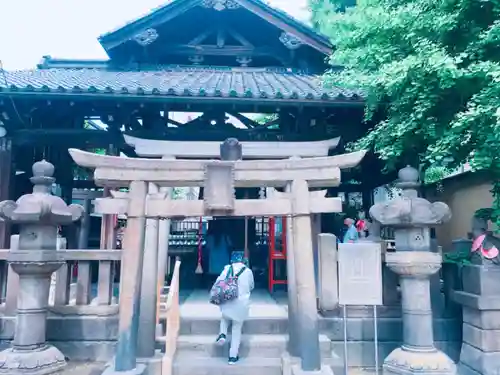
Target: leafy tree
x,y
431,75
266,118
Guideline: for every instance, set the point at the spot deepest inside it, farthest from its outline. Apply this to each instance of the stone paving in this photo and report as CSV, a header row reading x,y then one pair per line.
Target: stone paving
x,y
82,368
262,305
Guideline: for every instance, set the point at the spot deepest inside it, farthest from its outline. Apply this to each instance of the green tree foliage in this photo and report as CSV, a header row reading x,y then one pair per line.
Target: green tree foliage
x,y
431,74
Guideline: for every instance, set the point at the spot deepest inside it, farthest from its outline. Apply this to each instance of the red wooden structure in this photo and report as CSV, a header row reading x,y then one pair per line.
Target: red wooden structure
x,y
277,251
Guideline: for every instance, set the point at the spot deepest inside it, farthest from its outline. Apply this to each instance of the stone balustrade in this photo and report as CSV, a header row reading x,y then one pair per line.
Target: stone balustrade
x,y
83,316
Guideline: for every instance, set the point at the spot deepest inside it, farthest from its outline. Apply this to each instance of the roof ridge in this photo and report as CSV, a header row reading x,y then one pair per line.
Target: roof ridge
x,y
48,63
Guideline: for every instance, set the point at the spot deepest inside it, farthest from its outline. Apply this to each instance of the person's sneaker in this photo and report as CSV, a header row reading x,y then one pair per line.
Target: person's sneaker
x,y
233,360
221,339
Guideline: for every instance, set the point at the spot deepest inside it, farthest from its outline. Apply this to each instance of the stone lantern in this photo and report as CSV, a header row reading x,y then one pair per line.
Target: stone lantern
x,y
39,215
412,217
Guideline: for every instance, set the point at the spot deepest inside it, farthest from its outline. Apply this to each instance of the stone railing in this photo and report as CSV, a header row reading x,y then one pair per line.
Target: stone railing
x,y
73,298
71,288
172,312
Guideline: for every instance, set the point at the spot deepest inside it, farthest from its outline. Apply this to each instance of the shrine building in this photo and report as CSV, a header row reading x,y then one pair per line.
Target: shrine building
x,y
177,83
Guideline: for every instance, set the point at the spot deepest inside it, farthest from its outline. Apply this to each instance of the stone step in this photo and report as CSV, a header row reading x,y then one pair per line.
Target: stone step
x,y
219,366
256,326
250,366
252,346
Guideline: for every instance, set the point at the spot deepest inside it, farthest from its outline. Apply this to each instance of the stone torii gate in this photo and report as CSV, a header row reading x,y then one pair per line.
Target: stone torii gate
x,y
219,179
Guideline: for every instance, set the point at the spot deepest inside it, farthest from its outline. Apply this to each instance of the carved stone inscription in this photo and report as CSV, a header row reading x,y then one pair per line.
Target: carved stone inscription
x,y
360,274
219,188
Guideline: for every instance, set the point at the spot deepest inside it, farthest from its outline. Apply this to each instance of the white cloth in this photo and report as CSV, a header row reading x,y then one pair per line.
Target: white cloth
x,y
235,335
237,309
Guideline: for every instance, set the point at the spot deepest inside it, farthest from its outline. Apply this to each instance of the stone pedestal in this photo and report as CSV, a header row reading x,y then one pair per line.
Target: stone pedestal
x,y
418,353
29,353
480,301
34,260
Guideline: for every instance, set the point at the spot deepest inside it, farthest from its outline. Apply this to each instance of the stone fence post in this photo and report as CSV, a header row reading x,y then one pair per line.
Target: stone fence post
x,y
34,260
480,300
328,273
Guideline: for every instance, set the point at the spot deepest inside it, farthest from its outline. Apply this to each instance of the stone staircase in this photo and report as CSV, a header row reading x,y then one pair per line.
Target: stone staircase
x,y
263,345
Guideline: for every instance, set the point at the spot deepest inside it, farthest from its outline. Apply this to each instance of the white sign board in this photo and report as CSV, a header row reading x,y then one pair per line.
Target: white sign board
x,y
360,274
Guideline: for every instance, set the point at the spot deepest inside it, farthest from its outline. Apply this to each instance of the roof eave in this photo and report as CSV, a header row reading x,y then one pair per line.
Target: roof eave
x,y
333,102
318,41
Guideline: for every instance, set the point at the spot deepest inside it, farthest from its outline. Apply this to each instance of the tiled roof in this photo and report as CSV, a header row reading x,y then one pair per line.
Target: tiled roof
x,y
183,82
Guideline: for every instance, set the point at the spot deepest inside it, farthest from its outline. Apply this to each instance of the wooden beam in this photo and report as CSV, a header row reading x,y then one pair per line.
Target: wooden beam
x,y
210,50
244,120
120,172
251,150
70,137
156,208
276,178
221,38
201,37
240,38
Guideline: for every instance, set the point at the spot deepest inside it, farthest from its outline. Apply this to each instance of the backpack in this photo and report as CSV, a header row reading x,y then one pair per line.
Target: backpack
x,y
226,290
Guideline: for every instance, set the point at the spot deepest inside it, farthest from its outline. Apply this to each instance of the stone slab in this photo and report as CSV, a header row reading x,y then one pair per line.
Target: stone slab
x,y
83,368
210,326
219,366
486,319
481,279
325,370
256,346
262,306
488,340
101,351
153,364
139,370
463,369
477,302
71,328
482,362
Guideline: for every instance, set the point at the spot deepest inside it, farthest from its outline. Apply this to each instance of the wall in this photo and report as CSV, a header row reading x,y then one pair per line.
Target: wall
x,y
464,193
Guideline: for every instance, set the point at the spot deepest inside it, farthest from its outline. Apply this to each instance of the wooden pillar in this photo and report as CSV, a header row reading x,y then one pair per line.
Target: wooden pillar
x,y
5,178
83,234
367,196
108,223
107,242
163,238
130,288
293,331
146,343
307,314
65,165
316,230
